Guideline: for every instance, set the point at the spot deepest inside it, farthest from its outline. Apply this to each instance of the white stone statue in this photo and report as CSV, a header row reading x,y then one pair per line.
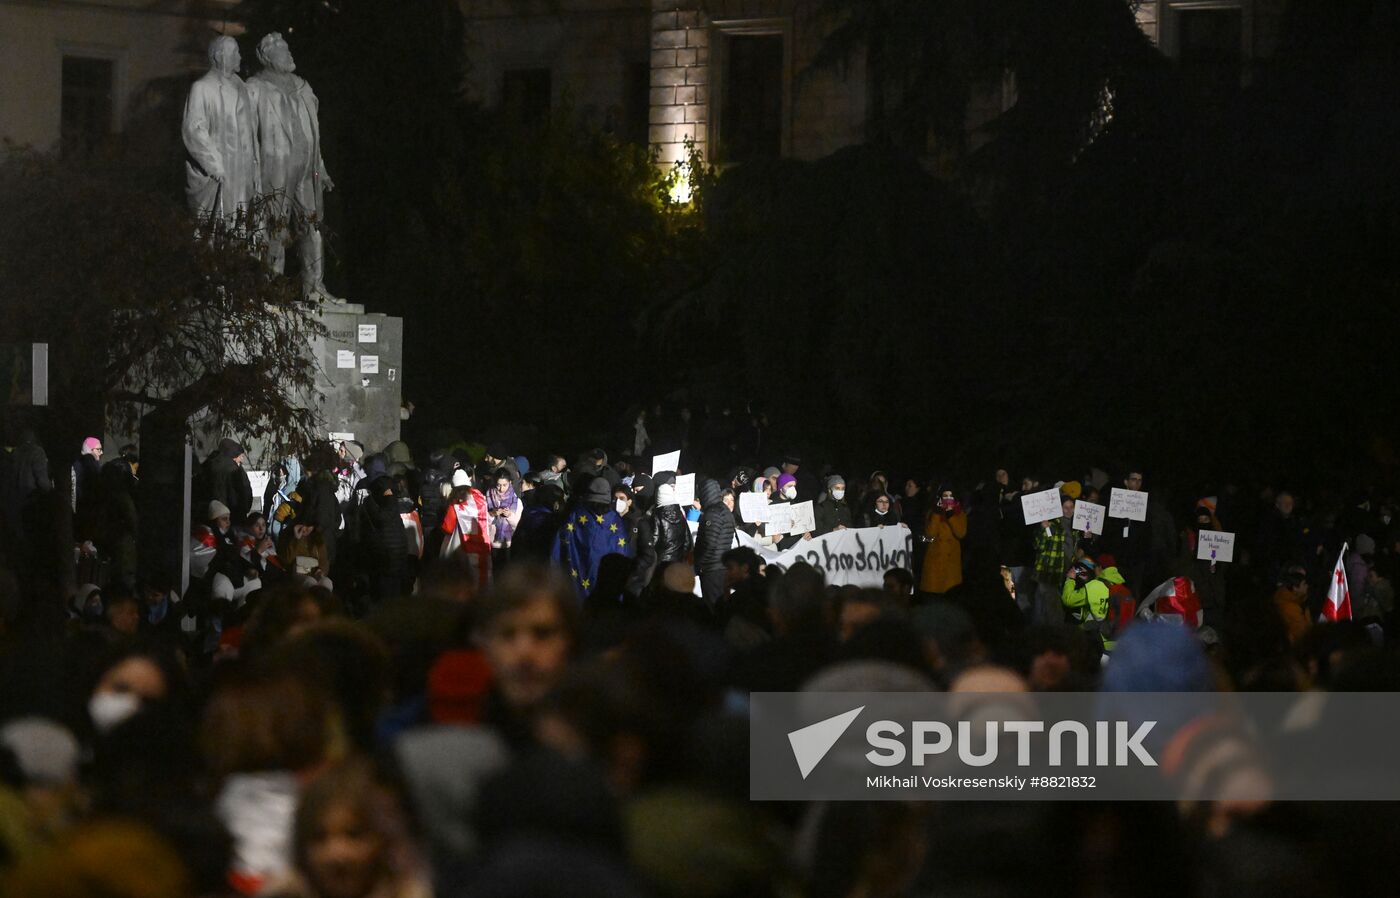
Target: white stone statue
x,y
220,133
293,173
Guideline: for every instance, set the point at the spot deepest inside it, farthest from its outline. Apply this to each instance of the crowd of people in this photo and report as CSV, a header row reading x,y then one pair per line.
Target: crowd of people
x,y
461,671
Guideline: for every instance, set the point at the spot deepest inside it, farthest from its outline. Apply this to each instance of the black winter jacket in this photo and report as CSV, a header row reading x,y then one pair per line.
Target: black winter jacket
x,y
716,534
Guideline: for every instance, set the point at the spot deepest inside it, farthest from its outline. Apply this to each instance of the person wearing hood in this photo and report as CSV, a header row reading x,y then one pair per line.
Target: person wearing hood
x,y
593,529
881,513
466,529
833,512
663,536
944,529
228,481
714,537
541,519
385,540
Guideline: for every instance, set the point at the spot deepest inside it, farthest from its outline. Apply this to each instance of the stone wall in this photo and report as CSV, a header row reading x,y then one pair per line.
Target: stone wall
x,y
824,109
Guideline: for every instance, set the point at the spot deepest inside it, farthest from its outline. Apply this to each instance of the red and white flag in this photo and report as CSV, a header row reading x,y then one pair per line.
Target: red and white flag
x,y
1338,605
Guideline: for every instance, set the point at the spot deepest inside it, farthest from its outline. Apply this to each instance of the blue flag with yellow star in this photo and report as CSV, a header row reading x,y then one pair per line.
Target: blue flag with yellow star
x,y
584,539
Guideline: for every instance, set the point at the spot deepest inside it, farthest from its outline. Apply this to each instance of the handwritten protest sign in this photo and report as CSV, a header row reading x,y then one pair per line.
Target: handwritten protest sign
x,y
668,461
753,507
1041,506
685,489
804,517
779,518
1088,516
1215,545
1128,504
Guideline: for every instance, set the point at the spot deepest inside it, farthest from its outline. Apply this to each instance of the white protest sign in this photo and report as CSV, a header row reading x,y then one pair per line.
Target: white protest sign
x,y
338,437
669,461
367,333
685,489
1215,545
779,519
753,507
1128,504
1088,516
344,358
259,480
1041,506
804,517
369,364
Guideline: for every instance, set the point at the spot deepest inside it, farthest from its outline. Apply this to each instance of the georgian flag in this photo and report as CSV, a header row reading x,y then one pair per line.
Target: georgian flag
x,y
1338,605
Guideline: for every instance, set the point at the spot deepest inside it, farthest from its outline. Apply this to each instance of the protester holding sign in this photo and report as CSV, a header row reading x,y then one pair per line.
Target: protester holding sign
x,y
944,530
1129,540
1207,573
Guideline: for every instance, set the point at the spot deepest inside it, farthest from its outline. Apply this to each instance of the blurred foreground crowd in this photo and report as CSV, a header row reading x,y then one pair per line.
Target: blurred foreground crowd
x,y
453,674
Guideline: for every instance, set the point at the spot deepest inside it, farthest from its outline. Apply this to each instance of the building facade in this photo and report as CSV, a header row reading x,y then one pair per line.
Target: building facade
x,y
74,72
735,77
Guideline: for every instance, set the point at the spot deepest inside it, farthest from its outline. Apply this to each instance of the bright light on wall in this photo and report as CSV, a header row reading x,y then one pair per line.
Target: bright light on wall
x,y
680,190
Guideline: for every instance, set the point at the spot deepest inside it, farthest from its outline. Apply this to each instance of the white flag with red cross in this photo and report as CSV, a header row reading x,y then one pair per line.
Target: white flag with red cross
x,y
1338,605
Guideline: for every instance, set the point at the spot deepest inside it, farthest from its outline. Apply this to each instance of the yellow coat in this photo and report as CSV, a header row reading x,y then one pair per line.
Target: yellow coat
x,y
943,560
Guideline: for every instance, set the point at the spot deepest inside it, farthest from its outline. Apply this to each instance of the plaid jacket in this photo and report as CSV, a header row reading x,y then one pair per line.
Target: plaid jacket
x,y
1050,552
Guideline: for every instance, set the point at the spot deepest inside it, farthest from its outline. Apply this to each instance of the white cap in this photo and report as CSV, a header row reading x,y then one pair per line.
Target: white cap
x,y
461,478
218,509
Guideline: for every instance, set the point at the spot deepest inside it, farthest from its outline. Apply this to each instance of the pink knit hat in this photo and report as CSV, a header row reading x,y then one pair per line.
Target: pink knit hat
x,y
90,444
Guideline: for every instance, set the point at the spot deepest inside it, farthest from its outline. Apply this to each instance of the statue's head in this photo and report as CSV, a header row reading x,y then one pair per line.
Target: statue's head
x,y
274,53
224,55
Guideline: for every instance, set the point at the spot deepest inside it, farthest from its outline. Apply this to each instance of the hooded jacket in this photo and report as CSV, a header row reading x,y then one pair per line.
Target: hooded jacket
x,y
228,482
716,533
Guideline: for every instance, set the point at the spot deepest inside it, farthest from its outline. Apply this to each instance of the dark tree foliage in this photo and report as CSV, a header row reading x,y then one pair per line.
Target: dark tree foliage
x,y
141,315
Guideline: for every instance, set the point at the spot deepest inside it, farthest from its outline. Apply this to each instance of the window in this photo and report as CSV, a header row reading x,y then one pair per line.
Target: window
x,y
1209,43
636,102
528,93
88,103
751,105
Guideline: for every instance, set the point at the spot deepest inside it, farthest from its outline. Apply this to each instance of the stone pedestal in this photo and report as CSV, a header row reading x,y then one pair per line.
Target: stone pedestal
x,y
360,362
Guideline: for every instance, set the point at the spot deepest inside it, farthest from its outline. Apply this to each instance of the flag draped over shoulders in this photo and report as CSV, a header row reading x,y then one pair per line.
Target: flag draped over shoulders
x,y
584,539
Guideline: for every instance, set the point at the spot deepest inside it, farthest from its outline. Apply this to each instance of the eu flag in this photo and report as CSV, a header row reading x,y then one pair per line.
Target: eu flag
x,y
584,539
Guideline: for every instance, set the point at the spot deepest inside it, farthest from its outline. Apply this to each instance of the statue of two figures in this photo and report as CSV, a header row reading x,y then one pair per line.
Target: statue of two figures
x,y
255,155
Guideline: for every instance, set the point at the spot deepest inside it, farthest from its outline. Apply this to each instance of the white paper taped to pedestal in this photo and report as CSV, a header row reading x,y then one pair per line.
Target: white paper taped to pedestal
x,y
367,333
369,364
344,358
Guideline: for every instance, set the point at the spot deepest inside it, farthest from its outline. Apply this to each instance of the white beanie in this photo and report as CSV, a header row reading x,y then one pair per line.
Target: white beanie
x,y
666,495
461,478
218,509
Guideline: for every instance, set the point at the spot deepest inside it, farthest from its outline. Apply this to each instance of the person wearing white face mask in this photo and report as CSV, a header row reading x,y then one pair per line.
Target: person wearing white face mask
x,y
132,680
833,512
